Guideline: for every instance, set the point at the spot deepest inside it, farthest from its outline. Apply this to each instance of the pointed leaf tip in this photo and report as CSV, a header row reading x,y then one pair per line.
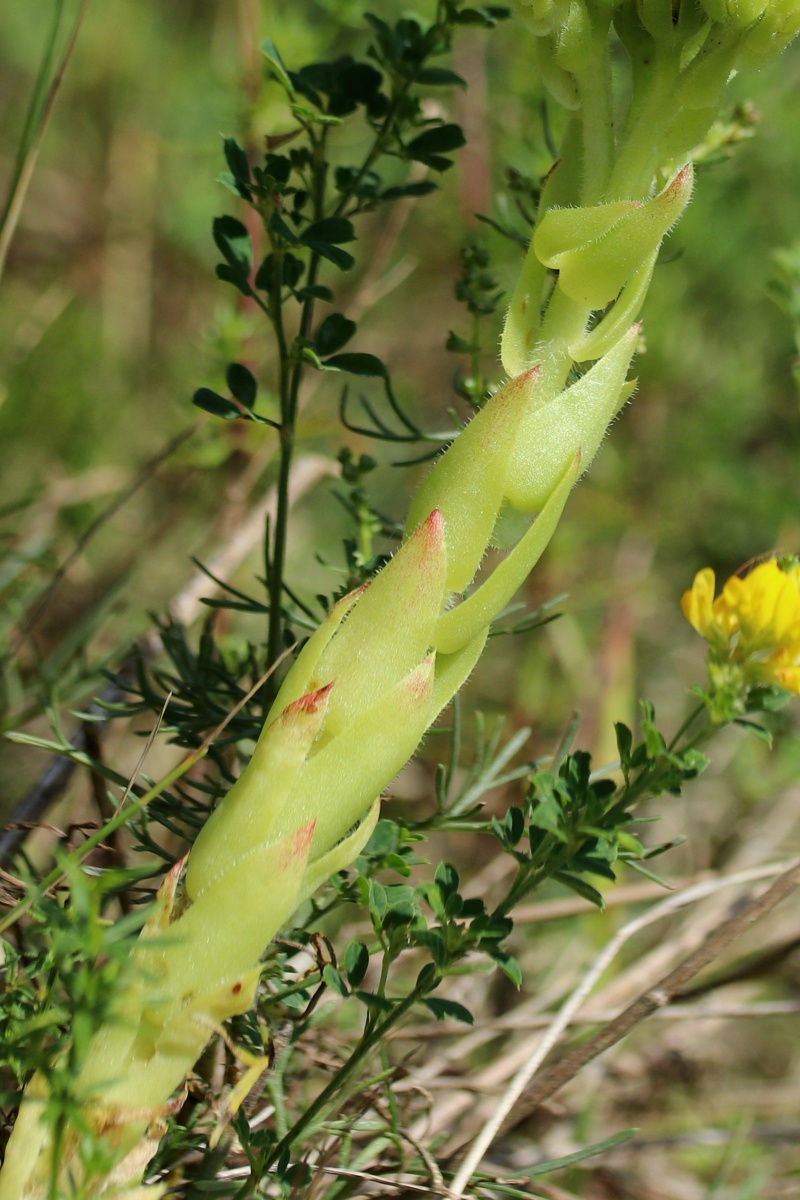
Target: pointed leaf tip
x,y
311,702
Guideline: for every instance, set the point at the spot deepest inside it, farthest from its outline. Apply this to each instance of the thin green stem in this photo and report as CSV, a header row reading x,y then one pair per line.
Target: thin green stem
x,y
642,150
291,376
344,1074
475,358
687,724
597,119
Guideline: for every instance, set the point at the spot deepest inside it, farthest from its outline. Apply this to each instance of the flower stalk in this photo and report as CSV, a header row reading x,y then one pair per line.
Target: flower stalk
x,y
390,656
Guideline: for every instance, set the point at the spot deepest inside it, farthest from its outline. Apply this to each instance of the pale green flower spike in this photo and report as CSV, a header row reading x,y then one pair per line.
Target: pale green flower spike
x,y
374,676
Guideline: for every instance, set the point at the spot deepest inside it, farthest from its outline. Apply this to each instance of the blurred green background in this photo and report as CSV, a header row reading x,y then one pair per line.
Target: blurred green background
x,y
110,317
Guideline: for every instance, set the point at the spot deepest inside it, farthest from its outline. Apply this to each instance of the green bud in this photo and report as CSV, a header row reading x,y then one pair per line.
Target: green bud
x,y
769,37
574,42
739,13
597,249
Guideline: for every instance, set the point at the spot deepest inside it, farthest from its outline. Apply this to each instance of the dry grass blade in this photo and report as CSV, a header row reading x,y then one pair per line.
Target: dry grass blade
x,y
508,1112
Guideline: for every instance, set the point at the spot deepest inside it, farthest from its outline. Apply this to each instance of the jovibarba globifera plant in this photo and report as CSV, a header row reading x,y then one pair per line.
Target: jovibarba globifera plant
x,y
391,654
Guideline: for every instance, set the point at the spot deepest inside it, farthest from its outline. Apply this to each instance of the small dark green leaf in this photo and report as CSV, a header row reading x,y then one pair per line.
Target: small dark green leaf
x,y
356,961
376,1004
233,242
340,258
265,275
423,188
218,406
428,147
447,878
293,269
509,965
333,333
459,345
377,899
758,730
333,979
359,82
581,887
442,1009
428,978
239,167
487,16
353,181
242,383
433,942
234,275
440,77
384,838
335,230
270,52
278,228
318,291
624,744
358,364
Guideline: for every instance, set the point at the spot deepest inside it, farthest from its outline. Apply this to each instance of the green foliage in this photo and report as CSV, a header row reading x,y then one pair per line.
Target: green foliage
x,y
569,826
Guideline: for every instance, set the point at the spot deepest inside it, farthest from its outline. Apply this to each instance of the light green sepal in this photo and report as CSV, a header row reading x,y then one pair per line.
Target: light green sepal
x,y
236,914
523,319
452,670
466,483
614,325
301,677
248,816
337,783
577,418
565,230
463,623
389,630
596,250
343,853
181,1041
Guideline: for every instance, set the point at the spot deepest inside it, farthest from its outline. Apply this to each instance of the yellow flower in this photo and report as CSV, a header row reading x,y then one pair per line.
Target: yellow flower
x,y
754,622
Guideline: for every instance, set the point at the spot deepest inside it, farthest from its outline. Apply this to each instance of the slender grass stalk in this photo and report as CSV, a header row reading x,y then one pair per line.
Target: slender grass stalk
x,y
50,76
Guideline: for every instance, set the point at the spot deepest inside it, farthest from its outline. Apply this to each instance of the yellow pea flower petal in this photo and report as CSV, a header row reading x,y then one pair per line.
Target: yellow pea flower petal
x,y
697,602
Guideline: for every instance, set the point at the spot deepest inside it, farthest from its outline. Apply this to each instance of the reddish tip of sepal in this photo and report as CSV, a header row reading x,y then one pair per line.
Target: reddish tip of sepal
x,y
522,382
311,702
531,373
682,181
350,599
170,881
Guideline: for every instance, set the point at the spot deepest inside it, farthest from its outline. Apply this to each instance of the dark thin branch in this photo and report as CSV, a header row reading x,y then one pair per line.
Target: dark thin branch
x,y
54,781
